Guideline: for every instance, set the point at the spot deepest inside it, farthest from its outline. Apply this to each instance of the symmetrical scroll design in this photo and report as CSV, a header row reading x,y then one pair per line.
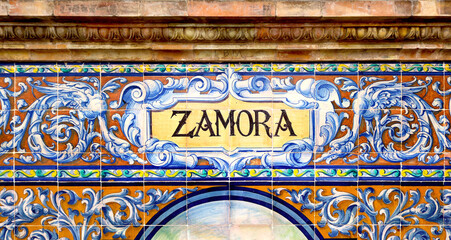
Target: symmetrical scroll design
x,y
359,215
98,216
87,103
372,99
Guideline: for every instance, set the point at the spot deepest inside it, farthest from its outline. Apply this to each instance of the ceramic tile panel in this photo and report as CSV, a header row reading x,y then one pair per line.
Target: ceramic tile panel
x,y
133,150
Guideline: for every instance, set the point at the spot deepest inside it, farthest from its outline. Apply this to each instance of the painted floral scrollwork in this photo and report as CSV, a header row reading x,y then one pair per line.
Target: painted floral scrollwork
x,y
86,99
98,216
359,215
372,100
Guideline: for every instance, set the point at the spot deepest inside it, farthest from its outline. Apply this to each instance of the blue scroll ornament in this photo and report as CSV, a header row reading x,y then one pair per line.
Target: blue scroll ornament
x,y
87,104
98,216
372,100
154,96
86,98
346,213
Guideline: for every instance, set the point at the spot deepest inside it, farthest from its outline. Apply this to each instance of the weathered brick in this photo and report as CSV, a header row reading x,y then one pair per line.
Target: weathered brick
x,y
97,8
30,7
444,8
174,55
426,8
359,8
230,9
403,8
299,9
4,8
164,8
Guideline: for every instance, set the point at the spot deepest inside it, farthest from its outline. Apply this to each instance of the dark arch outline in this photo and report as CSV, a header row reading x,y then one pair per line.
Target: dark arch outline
x,y
174,212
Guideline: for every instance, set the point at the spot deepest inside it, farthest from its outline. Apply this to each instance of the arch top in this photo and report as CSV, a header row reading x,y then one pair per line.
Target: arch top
x,y
243,197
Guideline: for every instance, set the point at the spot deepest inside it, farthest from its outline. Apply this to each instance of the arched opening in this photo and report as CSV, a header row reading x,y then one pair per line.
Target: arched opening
x,y
257,203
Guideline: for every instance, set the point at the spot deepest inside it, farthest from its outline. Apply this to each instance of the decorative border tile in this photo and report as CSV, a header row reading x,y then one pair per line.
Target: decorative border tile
x,y
395,129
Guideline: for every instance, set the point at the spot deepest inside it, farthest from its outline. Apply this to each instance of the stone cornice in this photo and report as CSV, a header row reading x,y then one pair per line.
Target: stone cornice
x,y
226,33
308,41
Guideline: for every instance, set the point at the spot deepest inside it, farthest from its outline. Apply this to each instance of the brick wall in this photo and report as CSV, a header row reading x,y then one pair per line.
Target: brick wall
x,y
226,8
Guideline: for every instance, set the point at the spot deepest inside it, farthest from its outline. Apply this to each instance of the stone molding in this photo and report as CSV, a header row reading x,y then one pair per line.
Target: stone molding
x,y
226,33
309,41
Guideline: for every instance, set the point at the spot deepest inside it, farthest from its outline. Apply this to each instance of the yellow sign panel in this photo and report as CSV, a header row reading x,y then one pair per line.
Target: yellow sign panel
x,y
230,124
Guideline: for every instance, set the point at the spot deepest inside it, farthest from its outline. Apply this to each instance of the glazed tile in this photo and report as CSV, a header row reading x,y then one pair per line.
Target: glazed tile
x,y
357,150
419,172
9,204
124,208
423,143
78,136
9,91
130,233
244,211
380,141
212,213
217,232
167,204
37,91
7,69
161,68
286,232
423,91
118,145
36,137
27,68
251,67
251,232
47,173
209,204
128,69
447,67
343,87
284,68
446,110
419,67
415,212
346,149
167,232
301,197
37,231
336,68
74,196
207,166
368,173
306,173
372,231
426,231
218,67
80,174
7,168
80,67
338,218
379,203
36,196
81,91
379,67
7,134
117,94
203,68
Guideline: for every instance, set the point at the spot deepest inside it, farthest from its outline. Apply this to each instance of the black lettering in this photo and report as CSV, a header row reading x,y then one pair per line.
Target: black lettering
x,y
286,126
182,122
206,126
230,119
251,124
257,122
